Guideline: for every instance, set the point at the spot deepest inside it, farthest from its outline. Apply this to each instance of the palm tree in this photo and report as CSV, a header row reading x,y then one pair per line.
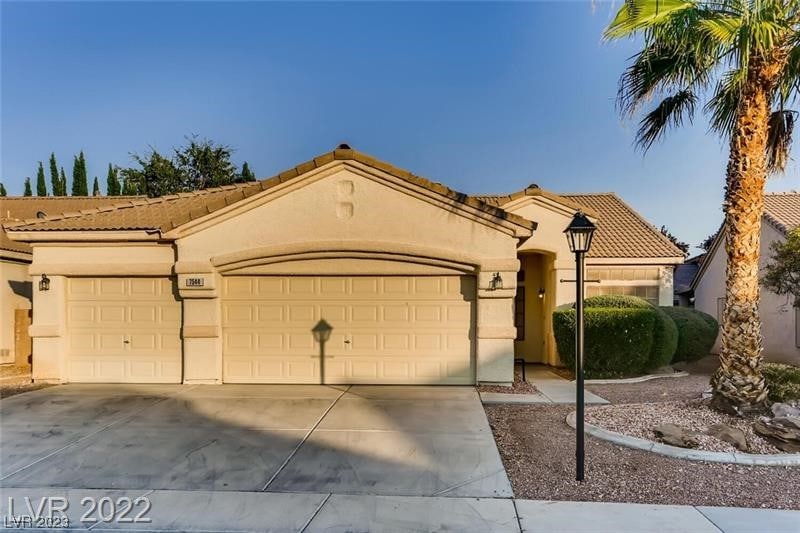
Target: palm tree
x,y
742,57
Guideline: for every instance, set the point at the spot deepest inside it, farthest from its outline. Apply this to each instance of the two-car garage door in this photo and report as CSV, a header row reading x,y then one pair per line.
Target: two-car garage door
x,y
386,329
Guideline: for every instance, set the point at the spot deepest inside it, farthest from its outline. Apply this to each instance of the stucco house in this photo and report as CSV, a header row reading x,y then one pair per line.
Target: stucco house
x,y
420,283
780,320
15,258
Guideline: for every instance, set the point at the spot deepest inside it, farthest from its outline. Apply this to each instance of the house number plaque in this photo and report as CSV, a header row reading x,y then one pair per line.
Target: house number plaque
x,y
195,282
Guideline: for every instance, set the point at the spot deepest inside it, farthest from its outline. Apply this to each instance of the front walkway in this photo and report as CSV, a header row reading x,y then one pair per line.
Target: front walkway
x,y
312,512
551,388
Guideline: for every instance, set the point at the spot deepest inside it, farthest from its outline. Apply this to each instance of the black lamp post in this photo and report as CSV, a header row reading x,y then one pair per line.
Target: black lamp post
x,y
579,235
322,332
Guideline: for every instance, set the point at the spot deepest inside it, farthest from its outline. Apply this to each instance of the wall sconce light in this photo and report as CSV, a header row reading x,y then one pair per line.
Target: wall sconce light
x,y
541,293
496,282
44,283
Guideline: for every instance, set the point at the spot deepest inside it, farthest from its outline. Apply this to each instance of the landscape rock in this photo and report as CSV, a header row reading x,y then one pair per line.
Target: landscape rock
x,y
783,437
731,435
784,409
676,435
788,421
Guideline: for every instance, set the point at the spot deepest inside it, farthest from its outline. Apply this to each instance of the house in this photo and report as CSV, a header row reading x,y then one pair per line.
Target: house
x,y
421,284
780,320
684,275
15,257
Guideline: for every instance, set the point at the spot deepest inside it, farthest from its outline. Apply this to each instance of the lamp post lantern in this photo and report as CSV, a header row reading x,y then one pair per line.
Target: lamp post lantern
x,y
579,236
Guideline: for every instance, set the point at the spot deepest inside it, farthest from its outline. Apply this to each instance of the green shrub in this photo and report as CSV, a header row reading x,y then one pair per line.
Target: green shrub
x,y
665,332
617,341
697,332
783,381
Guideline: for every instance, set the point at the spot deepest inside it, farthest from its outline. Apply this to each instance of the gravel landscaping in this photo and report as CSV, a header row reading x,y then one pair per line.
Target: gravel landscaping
x,y
11,386
639,420
537,448
518,387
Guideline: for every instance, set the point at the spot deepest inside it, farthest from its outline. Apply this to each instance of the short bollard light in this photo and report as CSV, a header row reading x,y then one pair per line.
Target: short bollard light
x,y
579,236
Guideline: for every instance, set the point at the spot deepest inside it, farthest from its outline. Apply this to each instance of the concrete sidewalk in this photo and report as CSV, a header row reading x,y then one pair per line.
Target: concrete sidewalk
x,y
551,388
312,512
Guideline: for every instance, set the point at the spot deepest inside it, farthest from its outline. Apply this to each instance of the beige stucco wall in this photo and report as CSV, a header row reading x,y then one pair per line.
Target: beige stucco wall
x,y
14,294
777,314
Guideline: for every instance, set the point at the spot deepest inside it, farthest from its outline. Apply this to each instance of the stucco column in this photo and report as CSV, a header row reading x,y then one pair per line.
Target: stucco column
x,y
48,331
665,290
495,327
202,327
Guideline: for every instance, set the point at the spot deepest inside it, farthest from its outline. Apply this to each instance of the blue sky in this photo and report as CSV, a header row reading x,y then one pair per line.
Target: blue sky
x,y
482,97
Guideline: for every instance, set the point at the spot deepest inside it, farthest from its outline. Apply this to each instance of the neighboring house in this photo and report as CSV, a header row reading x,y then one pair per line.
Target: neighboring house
x,y
684,276
15,257
780,320
419,282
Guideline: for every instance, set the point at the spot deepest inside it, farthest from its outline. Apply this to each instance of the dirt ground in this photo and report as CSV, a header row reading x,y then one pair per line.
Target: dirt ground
x,y
10,386
537,448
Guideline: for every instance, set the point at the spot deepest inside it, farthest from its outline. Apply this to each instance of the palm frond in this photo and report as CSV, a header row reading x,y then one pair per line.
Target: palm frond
x,y
779,139
722,107
671,112
636,15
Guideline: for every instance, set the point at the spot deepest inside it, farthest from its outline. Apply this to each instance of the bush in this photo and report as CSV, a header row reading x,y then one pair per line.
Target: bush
x,y
665,332
617,341
697,332
783,381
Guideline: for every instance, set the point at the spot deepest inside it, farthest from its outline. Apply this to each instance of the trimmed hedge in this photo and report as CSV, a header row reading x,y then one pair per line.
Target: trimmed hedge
x,y
665,332
783,381
617,341
697,332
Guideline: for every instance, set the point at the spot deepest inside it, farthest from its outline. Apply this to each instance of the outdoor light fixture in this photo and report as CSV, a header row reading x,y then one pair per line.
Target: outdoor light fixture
x,y
579,236
44,283
541,293
496,282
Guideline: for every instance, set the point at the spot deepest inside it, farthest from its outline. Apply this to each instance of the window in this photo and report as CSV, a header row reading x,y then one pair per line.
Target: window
x,y
648,292
519,313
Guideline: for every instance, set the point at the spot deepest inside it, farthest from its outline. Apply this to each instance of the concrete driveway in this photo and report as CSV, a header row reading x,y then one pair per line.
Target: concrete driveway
x,y
409,441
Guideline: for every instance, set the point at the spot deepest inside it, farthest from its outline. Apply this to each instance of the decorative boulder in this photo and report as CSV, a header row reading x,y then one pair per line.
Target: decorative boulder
x,y
731,435
676,436
784,409
783,437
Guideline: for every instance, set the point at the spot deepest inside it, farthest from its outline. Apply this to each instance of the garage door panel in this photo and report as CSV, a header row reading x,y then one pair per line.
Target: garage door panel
x,y
123,330
386,329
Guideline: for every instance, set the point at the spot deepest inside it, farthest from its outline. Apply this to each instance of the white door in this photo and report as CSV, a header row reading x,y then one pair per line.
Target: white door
x,y
123,330
386,329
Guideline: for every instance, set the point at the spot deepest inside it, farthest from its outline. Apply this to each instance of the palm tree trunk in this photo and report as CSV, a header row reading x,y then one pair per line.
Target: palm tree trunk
x,y
738,384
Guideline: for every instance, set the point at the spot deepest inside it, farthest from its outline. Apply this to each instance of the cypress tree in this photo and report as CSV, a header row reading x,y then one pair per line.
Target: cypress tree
x,y
55,183
28,191
80,182
3,190
63,182
247,174
96,187
41,185
112,181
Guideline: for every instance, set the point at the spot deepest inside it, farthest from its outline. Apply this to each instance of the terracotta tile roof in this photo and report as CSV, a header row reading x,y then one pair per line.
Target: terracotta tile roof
x,y
621,231
19,208
168,212
782,210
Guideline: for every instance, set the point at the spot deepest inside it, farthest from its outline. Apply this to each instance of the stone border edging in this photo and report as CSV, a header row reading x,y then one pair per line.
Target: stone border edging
x,y
749,459
638,379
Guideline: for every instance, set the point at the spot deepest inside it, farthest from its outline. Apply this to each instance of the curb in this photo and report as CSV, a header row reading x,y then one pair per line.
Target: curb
x,y
638,379
749,459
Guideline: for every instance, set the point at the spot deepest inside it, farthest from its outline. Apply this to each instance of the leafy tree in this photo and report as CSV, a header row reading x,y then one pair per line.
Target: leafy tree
x,y
112,181
782,273
96,187
203,164
3,190
684,247
41,185
63,180
28,191
80,181
156,177
744,58
709,241
59,188
246,174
